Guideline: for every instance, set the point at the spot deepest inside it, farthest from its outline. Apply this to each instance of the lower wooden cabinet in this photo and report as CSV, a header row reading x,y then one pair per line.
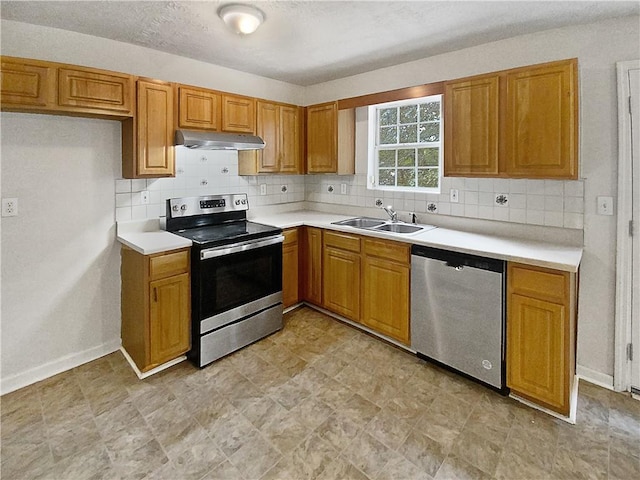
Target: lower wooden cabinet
x,y
311,255
290,259
156,306
541,325
341,274
385,288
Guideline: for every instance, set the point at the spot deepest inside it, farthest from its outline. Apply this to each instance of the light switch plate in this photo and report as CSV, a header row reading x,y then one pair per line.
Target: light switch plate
x,y
453,195
604,205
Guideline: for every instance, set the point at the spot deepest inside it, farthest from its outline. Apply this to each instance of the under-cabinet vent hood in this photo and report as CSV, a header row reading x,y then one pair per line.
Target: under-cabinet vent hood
x,y
218,140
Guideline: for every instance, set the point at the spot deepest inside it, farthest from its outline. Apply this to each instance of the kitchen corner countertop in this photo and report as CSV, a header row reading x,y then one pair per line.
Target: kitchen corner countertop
x,y
145,237
541,254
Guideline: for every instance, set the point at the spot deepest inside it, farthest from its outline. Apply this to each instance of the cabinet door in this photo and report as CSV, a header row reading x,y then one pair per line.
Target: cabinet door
x,y
169,318
289,140
541,121
155,152
267,128
471,127
238,114
341,282
88,90
322,142
27,84
537,353
198,108
290,268
312,263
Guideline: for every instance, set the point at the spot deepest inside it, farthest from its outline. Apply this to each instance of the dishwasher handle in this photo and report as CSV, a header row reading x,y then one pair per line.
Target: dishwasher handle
x,y
459,260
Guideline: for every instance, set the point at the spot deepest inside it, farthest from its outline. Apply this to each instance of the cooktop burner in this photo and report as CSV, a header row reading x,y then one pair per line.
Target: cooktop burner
x,y
227,232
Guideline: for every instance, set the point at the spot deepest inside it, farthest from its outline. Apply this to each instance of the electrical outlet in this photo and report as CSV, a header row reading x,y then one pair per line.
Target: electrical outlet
x,y
9,207
263,189
144,197
453,195
604,205
343,188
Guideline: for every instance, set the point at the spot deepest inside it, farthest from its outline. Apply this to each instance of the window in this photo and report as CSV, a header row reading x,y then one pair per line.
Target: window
x,y
405,145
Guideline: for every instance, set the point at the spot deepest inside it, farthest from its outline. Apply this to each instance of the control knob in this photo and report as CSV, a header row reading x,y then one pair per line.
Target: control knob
x,y
183,207
174,208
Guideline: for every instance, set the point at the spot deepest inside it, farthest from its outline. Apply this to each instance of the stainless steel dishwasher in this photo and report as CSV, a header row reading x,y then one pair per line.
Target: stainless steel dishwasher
x,y
457,313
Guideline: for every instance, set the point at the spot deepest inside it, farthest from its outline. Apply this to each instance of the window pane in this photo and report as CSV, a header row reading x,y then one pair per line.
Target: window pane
x,y
387,158
409,114
428,157
388,135
387,177
430,112
429,132
408,134
428,177
407,157
388,116
406,177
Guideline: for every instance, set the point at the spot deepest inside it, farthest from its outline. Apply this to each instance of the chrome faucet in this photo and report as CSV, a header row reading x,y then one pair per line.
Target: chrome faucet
x,y
391,212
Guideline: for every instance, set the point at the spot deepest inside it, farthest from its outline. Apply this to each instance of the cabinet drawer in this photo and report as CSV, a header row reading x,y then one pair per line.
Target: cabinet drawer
x,y
537,282
290,236
342,241
168,264
396,251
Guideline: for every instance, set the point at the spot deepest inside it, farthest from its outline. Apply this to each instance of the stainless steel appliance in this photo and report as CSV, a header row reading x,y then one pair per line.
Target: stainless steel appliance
x,y
457,313
236,273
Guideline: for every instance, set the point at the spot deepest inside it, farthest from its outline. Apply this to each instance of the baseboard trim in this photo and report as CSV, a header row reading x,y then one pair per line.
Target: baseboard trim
x,y
24,379
601,379
153,371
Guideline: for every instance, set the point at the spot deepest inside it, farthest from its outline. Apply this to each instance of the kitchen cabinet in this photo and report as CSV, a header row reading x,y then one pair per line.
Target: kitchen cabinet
x,y
48,87
330,139
541,325
385,288
279,126
518,123
311,253
341,274
238,114
199,108
148,138
156,306
290,259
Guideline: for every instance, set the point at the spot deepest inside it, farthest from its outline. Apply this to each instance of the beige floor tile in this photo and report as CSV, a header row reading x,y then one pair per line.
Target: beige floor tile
x,y
338,431
368,454
478,451
389,429
424,452
456,467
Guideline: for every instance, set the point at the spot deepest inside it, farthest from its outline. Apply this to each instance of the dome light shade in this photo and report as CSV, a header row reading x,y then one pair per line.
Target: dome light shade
x,y
242,19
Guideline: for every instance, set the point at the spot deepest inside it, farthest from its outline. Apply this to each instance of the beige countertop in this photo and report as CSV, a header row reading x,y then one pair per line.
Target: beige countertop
x,y
145,237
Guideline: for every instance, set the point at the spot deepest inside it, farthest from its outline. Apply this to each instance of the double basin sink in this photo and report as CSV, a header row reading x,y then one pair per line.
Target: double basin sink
x,y
377,225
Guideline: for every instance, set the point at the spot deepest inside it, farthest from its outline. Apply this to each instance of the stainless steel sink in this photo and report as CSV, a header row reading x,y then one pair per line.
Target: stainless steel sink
x,y
398,228
361,222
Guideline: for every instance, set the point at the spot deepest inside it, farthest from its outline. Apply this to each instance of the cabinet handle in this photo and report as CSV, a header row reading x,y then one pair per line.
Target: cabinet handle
x,y
155,294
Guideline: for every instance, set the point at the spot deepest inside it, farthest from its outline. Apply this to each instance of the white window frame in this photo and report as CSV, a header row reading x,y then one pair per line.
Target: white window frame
x,y
374,146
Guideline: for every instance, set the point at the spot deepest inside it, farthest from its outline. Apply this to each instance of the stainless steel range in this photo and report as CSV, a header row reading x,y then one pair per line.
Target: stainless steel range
x,y
236,273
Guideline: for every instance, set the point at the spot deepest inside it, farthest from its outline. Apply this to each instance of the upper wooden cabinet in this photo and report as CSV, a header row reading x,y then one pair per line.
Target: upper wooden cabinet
x,y
330,139
238,114
148,139
199,108
519,123
47,87
279,126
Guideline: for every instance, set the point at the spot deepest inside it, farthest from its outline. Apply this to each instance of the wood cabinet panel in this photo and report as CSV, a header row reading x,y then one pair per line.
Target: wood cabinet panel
x,y
471,116
312,276
343,241
169,322
290,270
322,141
198,108
238,114
27,84
91,90
168,264
268,128
290,157
541,121
341,282
395,251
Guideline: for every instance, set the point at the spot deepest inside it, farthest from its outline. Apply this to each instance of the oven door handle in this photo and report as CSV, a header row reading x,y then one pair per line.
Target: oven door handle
x,y
240,247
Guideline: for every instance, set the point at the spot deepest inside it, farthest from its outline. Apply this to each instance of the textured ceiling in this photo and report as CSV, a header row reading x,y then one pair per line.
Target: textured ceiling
x,y
308,42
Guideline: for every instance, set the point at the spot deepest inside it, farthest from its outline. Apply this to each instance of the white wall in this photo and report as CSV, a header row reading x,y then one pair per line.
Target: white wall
x,y
60,260
598,47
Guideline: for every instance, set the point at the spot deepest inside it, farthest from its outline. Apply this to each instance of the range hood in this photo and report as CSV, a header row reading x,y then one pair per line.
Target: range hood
x,y
218,140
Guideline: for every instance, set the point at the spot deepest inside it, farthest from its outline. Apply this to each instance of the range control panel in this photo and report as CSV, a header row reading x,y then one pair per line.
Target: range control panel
x,y
191,206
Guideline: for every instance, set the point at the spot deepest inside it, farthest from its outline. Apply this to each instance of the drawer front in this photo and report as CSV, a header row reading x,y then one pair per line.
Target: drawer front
x,y
541,283
103,91
290,236
396,251
168,264
342,241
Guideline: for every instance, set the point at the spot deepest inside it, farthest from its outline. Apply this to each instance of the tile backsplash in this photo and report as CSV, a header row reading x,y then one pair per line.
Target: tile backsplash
x,y
553,203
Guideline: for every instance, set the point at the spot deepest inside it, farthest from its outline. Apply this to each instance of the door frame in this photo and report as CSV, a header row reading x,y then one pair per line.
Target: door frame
x,y
624,256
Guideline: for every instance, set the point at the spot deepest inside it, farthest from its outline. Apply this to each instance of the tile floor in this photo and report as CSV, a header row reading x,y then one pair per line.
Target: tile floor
x,y
317,400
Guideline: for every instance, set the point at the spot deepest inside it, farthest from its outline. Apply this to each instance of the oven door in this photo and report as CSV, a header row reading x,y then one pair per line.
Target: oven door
x,y
234,281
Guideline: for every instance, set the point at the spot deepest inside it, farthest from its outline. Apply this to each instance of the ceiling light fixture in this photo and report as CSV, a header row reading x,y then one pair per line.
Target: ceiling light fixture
x,y
242,19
